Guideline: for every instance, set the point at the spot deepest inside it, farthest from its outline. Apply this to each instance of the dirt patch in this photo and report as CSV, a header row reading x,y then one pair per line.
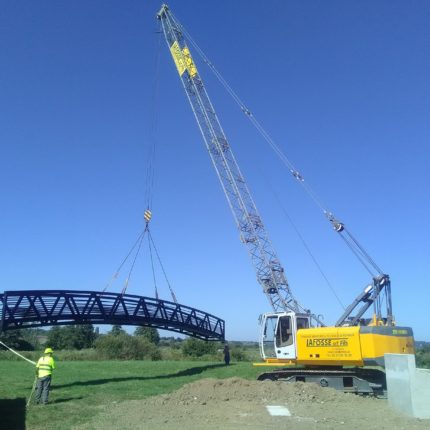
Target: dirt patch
x,y
238,403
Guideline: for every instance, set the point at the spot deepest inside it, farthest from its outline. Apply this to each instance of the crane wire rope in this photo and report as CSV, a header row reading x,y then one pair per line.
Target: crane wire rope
x,y
338,226
116,274
362,250
150,173
150,168
127,280
138,244
357,253
162,267
153,269
312,256
149,186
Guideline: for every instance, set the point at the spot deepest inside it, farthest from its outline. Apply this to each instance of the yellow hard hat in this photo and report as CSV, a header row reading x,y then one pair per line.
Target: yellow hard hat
x,y
48,351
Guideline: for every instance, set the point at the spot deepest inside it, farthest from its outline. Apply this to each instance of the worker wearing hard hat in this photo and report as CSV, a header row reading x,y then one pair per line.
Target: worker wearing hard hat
x,y
44,368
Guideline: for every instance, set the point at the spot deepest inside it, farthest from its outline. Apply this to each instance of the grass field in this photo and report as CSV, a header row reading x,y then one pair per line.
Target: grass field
x,y
79,388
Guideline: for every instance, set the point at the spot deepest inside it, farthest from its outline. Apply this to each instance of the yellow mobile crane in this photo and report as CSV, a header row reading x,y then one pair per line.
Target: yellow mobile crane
x,y
293,338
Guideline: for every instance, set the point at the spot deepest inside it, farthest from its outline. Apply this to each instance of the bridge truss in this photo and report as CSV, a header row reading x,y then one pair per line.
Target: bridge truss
x,y
38,308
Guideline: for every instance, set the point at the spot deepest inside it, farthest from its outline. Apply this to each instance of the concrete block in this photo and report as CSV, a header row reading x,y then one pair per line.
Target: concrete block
x,y
421,394
399,370
408,387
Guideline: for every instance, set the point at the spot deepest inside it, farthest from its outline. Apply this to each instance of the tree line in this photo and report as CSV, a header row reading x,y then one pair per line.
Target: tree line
x,y
144,344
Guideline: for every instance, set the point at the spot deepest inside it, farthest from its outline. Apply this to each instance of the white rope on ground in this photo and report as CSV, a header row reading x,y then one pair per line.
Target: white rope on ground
x,y
32,391
17,353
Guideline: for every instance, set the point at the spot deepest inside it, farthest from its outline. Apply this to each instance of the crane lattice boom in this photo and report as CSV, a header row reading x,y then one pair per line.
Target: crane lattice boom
x,y
270,273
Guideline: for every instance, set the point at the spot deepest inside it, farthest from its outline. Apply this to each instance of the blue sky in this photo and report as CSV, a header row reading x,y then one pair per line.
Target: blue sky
x,y
341,86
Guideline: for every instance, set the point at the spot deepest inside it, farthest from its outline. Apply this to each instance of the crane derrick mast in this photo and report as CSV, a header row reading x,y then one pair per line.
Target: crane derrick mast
x,y
270,273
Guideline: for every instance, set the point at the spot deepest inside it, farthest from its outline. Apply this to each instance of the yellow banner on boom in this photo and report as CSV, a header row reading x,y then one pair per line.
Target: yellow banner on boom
x,y
191,67
183,59
178,58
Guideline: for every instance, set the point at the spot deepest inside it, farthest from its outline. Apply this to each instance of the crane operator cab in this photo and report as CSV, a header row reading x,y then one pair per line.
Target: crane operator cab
x,y
279,333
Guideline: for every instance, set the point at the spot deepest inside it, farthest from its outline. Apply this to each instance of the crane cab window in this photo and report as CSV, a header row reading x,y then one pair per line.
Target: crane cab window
x,y
284,332
302,323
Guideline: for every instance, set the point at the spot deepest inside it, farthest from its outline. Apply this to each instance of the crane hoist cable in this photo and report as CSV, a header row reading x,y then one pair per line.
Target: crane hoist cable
x,y
338,226
150,168
151,245
151,150
149,186
116,274
150,173
312,256
138,244
151,240
127,280
153,270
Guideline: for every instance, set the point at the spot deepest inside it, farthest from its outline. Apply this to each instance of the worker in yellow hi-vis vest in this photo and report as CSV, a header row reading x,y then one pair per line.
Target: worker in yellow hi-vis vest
x,y
44,368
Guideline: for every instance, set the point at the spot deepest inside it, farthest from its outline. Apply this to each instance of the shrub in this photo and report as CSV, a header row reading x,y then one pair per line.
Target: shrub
x,y
198,348
171,354
77,355
126,347
238,354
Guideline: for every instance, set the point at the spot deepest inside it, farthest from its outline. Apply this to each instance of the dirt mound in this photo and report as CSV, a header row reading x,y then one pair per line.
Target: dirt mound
x,y
221,390
238,403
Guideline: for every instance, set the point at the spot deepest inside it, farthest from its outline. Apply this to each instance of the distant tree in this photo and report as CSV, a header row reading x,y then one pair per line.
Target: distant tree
x,y
55,338
71,337
423,357
84,336
34,336
149,333
117,330
15,340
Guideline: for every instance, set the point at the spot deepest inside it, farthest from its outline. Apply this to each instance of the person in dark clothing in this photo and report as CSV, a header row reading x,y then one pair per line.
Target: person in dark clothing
x,y
226,352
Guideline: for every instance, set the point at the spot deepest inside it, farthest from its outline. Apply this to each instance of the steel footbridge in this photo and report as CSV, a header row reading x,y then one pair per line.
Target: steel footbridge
x,y
39,308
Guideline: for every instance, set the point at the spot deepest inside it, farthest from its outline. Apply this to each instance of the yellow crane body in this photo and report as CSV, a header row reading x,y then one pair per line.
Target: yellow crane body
x,y
347,346
352,346
348,358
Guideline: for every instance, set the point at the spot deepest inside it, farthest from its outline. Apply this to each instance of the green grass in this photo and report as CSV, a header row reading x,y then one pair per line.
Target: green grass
x,y
79,388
